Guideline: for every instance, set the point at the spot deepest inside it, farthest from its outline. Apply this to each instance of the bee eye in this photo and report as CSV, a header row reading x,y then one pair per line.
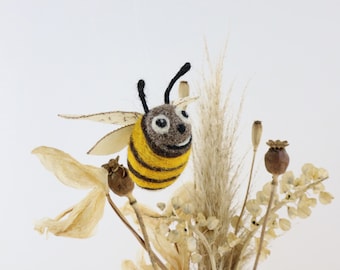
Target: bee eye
x,y
160,124
183,115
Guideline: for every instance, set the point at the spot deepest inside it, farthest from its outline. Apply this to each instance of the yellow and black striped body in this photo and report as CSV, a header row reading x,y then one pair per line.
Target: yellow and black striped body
x,y
152,167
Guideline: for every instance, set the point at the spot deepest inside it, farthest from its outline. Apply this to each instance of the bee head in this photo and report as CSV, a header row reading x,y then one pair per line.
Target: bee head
x,y
167,128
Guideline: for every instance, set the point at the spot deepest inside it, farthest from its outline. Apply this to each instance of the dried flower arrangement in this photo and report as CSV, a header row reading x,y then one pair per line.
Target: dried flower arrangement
x,y
202,226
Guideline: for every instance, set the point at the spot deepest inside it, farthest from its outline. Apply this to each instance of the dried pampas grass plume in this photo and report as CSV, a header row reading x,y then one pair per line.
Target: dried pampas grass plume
x,y
214,166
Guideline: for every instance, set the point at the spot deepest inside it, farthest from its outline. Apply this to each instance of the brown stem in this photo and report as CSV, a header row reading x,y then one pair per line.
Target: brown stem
x,y
135,234
133,203
264,224
243,207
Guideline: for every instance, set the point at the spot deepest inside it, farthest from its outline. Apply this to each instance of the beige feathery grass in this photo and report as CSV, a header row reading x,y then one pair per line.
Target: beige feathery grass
x,y
215,167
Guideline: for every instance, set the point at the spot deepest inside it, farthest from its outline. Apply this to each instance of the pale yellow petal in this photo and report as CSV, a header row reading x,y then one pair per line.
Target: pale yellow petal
x,y
128,265
212,223
288,178
270,234
322,174
318,187
303,211
253,208
284,224
232,239
191,243
80,220
325,197
69,171
292,212
262,198
196,258
174,236
234,220
309,170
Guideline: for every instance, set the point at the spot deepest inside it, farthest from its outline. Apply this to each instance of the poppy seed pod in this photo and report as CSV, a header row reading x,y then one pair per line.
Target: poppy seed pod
x,y
118,178
276,159
256,134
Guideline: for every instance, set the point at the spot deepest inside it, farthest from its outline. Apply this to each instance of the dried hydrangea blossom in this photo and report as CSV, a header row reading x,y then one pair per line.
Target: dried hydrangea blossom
x,y
80,220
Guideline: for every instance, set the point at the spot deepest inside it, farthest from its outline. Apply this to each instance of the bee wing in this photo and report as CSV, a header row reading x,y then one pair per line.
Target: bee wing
x,y
184,102
117,117
112,142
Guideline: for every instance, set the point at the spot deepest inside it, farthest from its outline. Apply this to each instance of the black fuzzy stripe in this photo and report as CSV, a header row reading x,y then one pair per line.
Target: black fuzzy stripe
x,y
147,179
145,165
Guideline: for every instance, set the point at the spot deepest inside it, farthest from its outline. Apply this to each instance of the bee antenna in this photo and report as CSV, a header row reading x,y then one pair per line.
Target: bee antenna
x,y
184,69
140,87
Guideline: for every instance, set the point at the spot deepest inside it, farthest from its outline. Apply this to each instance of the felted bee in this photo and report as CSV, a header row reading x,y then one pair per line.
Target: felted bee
x,y
159,141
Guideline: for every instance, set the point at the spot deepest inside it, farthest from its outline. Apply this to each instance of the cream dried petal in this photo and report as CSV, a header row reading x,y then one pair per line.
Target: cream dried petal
x,y
235,220
267,189
288,178
80,220
309,170
303,211
188,208
176,202
325,197
212,223
292,212
318,187
163,228
306,201
262,198
284,187
270,234
161,205
301,181
232,239
128,265
69,171
174,236
253,207
191,243
284,224
201,220
196,258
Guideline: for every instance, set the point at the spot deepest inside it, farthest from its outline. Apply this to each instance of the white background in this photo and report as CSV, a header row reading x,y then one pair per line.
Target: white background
x,y
86,57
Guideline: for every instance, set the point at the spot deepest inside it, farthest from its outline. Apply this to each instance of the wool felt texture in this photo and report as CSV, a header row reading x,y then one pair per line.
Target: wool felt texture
x,y
151,163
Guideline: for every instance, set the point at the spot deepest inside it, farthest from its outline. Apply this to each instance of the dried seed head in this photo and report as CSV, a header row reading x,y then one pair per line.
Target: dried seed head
x,y
276,159
118,178
183,89
256,134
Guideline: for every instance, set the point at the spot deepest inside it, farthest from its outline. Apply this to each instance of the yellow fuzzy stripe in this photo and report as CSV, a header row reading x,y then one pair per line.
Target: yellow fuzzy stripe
x,y
151,158
173,166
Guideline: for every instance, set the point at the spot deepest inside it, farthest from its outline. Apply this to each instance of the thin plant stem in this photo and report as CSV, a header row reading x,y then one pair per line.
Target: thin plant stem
x,y
206,246
264,224
133,203
135,234
243,206
247,193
